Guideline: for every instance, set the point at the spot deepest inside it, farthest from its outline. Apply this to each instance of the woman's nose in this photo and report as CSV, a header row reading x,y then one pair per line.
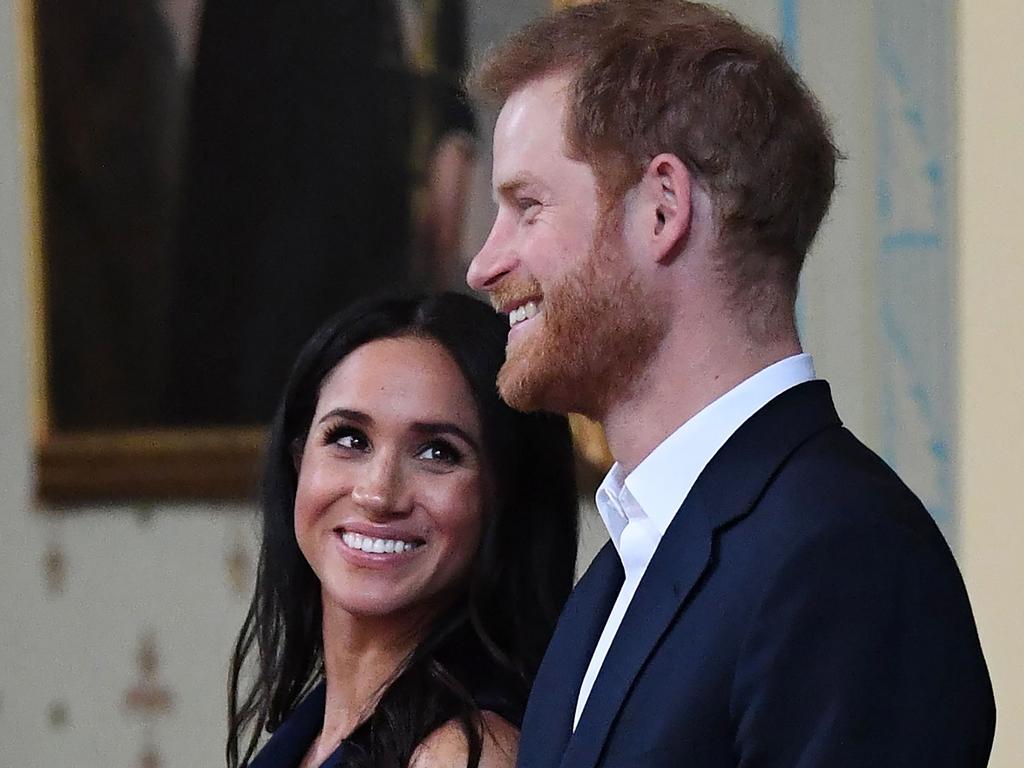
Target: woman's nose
x,y
379,489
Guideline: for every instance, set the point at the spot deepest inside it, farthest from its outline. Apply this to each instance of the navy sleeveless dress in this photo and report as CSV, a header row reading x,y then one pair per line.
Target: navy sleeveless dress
x,y
290,742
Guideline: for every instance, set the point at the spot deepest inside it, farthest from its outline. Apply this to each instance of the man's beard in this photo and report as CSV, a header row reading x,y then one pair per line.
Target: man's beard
x,y
597,333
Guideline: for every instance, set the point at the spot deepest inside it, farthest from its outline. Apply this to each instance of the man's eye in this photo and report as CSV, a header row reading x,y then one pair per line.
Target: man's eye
x,y
526,203
440,451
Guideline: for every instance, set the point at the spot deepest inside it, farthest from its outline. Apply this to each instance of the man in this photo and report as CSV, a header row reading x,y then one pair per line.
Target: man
x,y
772,594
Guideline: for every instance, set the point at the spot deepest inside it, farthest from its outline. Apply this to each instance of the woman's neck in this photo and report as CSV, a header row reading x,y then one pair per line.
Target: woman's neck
x,y
361,655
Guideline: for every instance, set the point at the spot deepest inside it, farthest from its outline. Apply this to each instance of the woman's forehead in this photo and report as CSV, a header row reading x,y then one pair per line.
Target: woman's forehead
x,y
401,379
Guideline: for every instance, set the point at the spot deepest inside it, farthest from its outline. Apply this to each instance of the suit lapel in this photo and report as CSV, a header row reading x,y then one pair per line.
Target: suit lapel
x,y
726,490
733,481
674,570
547,723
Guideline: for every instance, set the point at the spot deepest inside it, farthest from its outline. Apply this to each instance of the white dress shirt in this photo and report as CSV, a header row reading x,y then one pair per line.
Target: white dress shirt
x,y
637,509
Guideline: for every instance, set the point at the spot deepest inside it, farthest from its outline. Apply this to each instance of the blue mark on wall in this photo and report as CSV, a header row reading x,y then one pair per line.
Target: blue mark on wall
x,y
900,241
789,34
789,30
915,255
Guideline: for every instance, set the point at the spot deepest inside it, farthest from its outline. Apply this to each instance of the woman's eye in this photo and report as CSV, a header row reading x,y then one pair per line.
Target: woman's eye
x,y
440,451
346,437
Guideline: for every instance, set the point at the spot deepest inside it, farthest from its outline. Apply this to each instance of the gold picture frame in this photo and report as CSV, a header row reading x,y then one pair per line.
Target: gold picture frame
x,y
73,467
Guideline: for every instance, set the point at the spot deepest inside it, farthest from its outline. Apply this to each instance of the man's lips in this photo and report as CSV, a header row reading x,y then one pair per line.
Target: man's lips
x,y
512,292
505,303
520,299
524,312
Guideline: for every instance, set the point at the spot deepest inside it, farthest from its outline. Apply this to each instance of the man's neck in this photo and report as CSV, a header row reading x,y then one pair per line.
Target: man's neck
x,y
686,374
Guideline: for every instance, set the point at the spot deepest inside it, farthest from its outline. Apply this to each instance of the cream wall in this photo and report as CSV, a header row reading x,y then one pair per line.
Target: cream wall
x,y
991,318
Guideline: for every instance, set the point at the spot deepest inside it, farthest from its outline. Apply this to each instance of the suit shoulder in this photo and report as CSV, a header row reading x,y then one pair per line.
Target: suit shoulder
x,y
835,485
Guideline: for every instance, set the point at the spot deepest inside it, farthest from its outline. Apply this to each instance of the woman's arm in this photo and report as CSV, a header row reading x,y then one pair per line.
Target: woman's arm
x,y
447,746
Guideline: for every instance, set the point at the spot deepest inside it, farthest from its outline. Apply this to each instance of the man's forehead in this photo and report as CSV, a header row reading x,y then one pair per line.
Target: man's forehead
x,y
529,130
544,95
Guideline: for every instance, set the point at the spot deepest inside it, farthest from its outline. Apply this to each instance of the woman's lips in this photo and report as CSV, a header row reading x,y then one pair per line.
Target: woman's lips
x,y
378,545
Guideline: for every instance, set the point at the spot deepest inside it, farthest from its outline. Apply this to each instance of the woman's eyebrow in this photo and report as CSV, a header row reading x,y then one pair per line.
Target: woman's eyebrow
x,y
445,428
347,413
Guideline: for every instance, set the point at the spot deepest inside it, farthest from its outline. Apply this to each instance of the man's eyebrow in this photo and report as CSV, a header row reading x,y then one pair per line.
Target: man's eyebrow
x,y
445,428
508,189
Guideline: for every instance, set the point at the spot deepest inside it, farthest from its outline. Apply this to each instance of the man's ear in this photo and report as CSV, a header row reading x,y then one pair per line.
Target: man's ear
x,y
666,190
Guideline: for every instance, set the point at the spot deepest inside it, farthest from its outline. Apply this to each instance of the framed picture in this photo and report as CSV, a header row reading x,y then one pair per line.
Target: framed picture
x,y
207,185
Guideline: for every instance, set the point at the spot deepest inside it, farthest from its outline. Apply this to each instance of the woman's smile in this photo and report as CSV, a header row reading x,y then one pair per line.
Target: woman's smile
x,y
375,545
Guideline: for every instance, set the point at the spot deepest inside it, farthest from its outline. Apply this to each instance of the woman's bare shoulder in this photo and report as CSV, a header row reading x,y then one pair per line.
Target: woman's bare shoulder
x,y
447,747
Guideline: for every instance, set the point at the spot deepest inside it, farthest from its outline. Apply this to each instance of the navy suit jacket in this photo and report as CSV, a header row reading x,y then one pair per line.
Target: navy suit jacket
x,y
801,610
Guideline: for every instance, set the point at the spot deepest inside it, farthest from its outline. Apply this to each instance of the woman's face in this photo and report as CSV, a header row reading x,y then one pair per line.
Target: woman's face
x,y
391,481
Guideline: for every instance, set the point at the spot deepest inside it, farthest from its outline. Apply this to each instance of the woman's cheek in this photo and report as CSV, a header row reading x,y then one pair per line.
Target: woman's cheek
x,y
456,504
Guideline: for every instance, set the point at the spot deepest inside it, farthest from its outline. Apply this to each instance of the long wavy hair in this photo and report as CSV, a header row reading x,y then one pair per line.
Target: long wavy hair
x,y
517,584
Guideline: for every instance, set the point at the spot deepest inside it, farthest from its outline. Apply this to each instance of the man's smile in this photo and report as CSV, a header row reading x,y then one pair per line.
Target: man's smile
x,y
523,312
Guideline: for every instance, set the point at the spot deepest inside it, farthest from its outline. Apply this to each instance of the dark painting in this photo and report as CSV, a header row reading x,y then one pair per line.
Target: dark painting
x,y
211,193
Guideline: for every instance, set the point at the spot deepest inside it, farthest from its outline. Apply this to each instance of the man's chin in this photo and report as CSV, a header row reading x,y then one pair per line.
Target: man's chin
x,y
516,387
521,384
528,387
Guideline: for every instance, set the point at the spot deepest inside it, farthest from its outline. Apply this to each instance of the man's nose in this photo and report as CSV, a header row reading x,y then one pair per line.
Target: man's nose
x,y
492,263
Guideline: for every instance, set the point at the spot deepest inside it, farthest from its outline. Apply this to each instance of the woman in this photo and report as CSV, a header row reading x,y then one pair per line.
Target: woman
x,y
419,540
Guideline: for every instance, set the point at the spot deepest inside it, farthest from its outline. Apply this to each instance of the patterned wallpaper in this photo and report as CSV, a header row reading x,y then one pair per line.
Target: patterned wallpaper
x,y
125,623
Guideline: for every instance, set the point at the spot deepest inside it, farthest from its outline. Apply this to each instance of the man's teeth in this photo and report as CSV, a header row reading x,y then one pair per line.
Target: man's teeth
x,y
528,310
377,546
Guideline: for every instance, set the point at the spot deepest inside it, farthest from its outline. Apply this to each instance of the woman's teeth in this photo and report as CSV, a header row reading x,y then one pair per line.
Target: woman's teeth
x,y
377,546
528,310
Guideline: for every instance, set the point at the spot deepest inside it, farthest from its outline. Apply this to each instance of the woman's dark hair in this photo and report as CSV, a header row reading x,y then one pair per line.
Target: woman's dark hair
x,y
517,584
